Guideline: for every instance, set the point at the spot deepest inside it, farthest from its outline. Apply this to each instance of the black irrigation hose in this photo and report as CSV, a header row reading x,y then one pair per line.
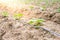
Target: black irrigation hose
x,y
52,32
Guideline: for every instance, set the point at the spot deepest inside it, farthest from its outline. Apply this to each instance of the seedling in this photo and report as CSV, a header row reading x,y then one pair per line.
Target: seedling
x,y
18,15
36,22
5,14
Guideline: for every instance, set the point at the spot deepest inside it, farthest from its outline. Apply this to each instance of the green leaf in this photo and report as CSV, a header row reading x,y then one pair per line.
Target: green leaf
x,y
31,21
4,13
18,15
40,20
36,22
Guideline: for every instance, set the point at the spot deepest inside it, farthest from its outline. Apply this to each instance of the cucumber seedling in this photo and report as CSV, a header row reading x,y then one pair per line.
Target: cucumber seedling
x,y
36,22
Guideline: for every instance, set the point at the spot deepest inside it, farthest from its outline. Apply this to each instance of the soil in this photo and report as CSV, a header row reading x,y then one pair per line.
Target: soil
x,y
11,29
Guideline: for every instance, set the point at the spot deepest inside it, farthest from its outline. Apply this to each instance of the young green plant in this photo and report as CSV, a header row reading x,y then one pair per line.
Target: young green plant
x,y
5,14
36,22
18,15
